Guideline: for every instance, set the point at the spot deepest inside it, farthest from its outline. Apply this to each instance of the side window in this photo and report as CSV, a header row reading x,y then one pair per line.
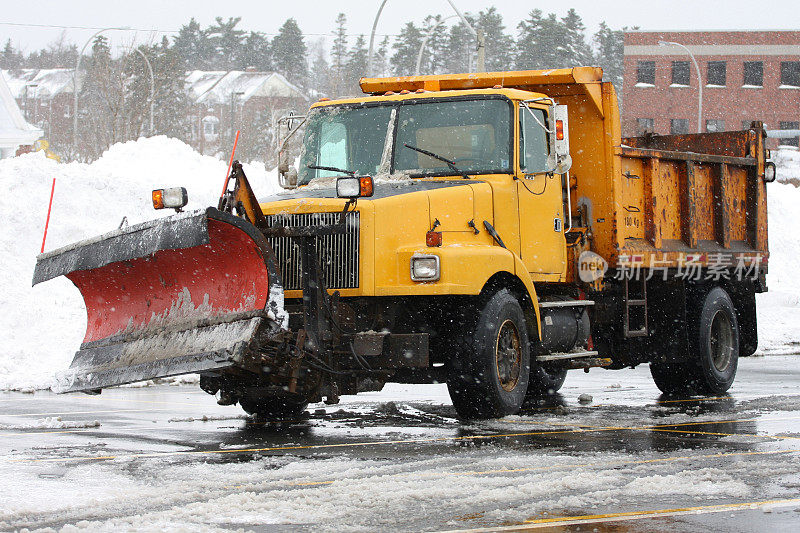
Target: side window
x,y
532,141
332,148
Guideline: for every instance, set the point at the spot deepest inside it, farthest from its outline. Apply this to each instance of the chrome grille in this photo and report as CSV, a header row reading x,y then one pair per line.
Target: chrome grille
x,y
338,254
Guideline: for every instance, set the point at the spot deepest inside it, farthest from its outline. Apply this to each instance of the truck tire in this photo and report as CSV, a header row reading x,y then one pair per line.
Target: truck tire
x,y
714,340
274,409
545,381
489,370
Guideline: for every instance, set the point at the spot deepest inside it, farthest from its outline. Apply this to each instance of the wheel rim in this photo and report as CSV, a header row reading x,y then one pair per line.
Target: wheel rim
x,y
721,341
508,355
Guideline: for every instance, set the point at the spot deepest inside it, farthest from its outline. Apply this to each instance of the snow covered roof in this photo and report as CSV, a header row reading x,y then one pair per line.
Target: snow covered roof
x,y
14,130
41,83
218,87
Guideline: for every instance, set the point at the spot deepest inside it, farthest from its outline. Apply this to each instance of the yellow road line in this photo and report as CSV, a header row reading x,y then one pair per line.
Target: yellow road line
x,y
19,415
631,515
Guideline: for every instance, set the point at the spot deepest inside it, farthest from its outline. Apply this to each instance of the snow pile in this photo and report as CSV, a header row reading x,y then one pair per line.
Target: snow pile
x,y
788,164
44,325
53,422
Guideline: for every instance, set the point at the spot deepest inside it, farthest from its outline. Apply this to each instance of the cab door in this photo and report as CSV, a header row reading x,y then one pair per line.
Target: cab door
x,y
541,208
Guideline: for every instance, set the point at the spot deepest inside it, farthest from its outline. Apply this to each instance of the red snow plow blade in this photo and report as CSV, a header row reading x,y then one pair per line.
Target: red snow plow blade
x,y
177,295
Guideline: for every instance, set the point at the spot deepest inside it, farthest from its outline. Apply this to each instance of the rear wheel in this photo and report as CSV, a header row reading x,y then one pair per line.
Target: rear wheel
x,y
714,341
489,370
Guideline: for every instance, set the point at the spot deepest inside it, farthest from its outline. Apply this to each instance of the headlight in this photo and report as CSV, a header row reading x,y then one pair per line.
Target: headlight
x,y
354,187
174,198
425,268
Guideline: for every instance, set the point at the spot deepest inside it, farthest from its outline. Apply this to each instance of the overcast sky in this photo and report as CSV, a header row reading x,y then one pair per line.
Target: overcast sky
x,y
316,18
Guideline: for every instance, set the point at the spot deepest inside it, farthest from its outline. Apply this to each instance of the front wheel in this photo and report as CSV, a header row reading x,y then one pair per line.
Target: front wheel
x,y
545,381
489,370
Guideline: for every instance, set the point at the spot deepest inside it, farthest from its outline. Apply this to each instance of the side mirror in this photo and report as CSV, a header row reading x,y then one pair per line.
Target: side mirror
x,y
559,161
770,172
287,175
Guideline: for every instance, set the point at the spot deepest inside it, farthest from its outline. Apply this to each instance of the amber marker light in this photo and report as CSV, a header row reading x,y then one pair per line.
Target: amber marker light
x,y
560,130
158,199
366,186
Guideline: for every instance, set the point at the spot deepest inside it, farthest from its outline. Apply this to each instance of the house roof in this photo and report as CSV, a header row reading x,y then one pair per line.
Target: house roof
x,y
220,86
40,83
14,130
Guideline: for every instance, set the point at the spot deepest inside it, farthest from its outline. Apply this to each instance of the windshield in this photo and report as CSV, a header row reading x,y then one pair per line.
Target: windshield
x,y
474,134
350,138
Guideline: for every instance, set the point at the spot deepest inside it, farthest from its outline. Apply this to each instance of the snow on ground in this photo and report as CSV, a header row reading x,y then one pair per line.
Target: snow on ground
x,y
43,325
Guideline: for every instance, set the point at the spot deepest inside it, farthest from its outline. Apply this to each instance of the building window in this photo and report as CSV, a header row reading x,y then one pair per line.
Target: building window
x,y
644,125
680,73
646,73
716,73
790,141
715,125
790,73
210,126
679,126
753,74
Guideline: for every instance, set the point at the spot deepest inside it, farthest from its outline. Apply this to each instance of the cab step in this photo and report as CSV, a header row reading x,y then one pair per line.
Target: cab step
x,y
575,360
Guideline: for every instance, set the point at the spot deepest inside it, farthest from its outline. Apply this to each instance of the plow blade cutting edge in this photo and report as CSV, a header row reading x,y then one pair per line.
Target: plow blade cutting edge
x,y
183,294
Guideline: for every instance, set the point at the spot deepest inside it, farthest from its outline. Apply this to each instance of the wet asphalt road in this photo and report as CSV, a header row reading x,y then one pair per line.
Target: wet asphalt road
x,y
165,456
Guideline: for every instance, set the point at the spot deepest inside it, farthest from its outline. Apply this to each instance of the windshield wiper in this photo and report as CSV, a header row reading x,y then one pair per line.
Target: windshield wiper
x,y
450,164
332,169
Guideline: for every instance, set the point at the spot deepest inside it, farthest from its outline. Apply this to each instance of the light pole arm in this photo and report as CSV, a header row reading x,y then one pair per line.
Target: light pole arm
x,y
699,82
425,43
478,34
372,38
152,85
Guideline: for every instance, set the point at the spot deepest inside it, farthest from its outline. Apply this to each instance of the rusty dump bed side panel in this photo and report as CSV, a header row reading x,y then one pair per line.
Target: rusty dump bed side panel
x,y
700,194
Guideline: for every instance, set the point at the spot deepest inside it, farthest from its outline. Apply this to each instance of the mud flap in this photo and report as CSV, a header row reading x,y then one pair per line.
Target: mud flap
x,y
178,295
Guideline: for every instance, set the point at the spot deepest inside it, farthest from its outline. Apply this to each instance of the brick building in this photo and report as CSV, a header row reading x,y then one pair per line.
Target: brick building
x,y
223,101
45,98
746,76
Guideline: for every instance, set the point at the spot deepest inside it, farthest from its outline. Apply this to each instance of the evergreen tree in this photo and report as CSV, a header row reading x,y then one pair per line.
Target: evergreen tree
x,y
435,52
461,48
256,52
10,58
529,45
577,50
609,44
380,59
320,79
172,104
289,53
339,55
499,45
404,59
356,63
227,42
194,47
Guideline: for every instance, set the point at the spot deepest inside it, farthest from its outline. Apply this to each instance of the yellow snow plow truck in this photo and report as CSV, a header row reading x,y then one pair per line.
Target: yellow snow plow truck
x,y
489,231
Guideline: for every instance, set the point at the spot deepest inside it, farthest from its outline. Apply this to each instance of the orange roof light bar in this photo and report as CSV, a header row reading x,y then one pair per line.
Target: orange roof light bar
x,y
553,82
522,79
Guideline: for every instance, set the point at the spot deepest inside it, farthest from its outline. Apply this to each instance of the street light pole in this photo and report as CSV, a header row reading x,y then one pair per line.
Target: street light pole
x,y
75,84
372,38
152,86
699,82
425,43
